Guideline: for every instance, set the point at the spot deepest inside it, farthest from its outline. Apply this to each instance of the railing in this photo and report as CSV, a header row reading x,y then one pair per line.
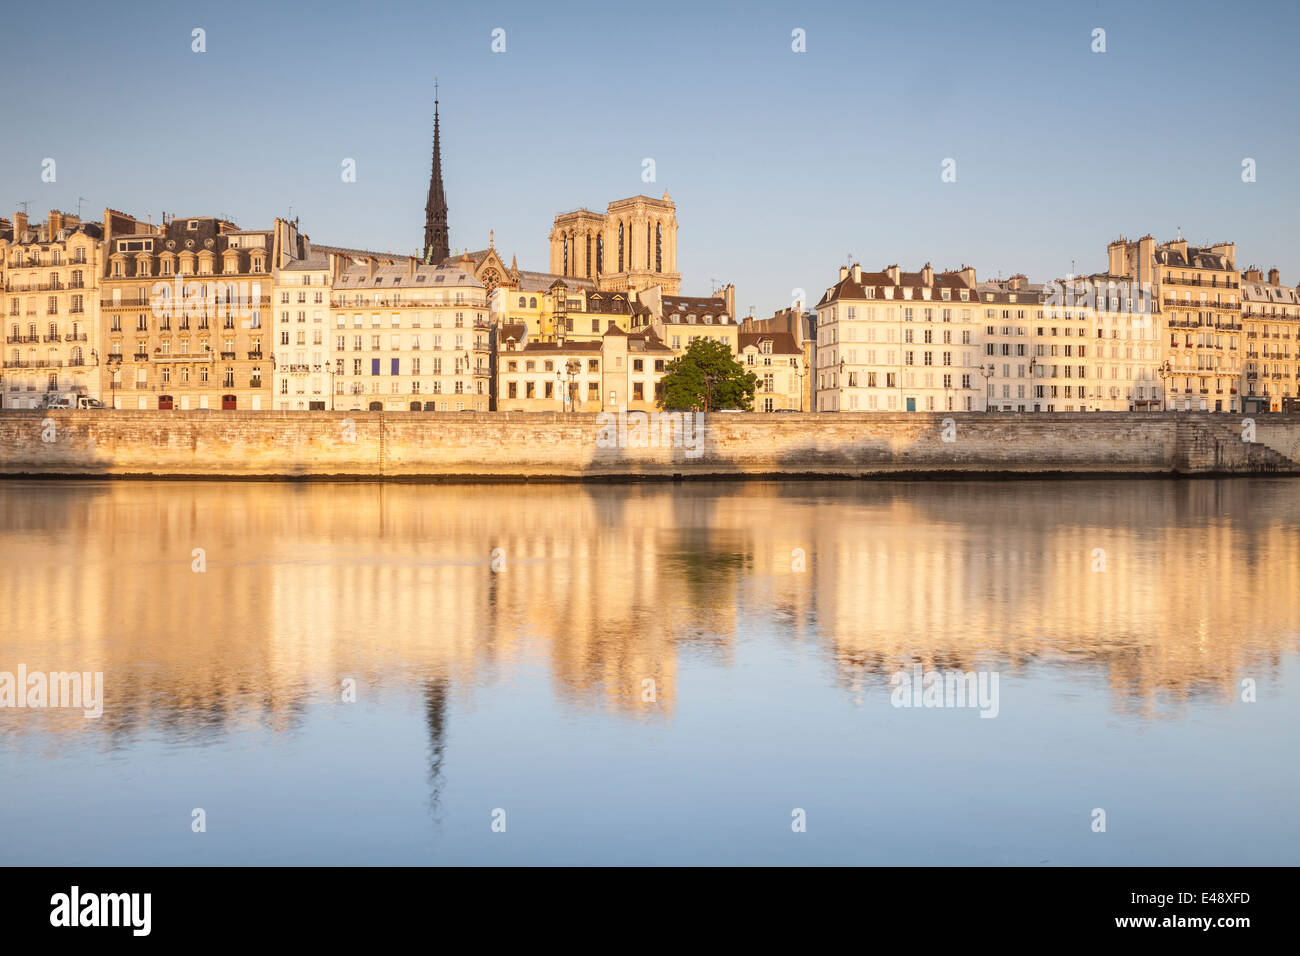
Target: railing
x,y
39,363
54,338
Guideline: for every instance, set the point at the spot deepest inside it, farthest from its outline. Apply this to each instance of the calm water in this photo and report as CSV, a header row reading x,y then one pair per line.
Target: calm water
x,y
523,688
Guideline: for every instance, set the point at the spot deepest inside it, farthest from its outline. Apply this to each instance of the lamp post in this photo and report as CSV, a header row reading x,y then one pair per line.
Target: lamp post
x,y
987,372
799,374
572,367
1166,371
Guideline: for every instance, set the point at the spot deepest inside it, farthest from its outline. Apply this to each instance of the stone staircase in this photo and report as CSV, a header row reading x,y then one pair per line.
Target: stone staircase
x,y
1211,445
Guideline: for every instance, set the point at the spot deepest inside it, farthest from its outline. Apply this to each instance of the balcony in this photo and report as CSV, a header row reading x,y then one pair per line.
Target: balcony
x,y
39,363
142,356
255,355
54,338
227,356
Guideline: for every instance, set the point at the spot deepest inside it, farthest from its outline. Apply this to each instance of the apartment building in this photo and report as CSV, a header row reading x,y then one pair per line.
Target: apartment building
x,y
778,361
409,337
1271,321
1198,294
181,313
899,341
51,307
581,375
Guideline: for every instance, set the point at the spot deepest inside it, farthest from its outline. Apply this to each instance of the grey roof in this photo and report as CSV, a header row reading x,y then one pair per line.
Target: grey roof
x,y
400,278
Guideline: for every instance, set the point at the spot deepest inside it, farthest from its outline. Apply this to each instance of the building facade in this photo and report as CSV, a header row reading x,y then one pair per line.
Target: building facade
x,y
181,314
409,337
1271,324
899,341
629,247
615,371
1197,290
51,309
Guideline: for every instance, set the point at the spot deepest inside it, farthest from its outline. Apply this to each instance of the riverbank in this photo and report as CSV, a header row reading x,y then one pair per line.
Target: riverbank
x,y
510,446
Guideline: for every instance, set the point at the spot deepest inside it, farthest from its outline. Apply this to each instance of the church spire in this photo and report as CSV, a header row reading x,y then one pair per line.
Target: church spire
x,y
436,244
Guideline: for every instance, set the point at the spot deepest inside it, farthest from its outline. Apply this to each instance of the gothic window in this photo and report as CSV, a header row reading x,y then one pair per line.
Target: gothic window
x,y
659,248
647,245
620,247
600,255
588,259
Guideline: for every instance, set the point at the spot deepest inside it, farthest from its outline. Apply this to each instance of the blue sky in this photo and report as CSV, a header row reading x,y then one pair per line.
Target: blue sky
x,y
782,164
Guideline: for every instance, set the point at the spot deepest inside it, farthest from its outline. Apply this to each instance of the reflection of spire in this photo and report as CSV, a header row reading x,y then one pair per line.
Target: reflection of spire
x,y
436,247
435,712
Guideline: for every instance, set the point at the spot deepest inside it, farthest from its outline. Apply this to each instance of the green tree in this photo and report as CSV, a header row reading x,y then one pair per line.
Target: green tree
x,y
706,378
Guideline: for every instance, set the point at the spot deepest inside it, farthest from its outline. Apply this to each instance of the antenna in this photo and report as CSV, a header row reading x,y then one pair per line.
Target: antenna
x,y
715,283
24,204
848,258
80,200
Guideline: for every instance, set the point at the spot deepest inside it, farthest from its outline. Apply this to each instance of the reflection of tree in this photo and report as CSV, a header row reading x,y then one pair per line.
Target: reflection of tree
x,y
435,712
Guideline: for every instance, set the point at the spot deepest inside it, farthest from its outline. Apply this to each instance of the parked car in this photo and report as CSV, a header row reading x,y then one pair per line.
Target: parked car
x,y
84,402
58,402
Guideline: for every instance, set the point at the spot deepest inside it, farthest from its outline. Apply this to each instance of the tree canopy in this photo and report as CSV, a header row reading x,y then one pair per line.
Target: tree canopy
x,y
706,378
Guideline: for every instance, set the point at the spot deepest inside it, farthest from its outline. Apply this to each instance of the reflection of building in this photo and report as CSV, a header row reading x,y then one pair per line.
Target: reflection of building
x,y
1271,316
604,587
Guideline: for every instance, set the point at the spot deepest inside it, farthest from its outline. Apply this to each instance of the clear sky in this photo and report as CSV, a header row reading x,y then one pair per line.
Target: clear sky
x,y
782,164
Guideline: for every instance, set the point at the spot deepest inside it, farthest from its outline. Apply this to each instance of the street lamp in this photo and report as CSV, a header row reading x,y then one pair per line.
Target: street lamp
x,y
987,372
572,367
1166,371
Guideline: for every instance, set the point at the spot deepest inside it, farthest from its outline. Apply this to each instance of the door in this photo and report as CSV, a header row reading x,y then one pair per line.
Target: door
x,y
911,404
164,403
228,403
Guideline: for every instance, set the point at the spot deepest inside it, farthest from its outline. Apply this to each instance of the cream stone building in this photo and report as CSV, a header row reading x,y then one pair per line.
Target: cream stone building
x,y
410,337
183,312
1198,292
1076,344
777,361
1271,320
616,371
565,311
899,341
51,308
630,246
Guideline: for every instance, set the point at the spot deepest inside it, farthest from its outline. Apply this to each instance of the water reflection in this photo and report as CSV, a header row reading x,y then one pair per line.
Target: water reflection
x,y
1164,590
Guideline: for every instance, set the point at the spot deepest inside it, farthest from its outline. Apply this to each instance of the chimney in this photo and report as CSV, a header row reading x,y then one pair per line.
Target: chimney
x,y
844,273
1274,277
927,275
857,272
1254,275
967,274
54,223
410,267
1228,250
370,267
20,225
729,297
892,272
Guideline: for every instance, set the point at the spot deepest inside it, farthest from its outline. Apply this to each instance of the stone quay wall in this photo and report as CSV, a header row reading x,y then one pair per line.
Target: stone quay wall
x,y
554,446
